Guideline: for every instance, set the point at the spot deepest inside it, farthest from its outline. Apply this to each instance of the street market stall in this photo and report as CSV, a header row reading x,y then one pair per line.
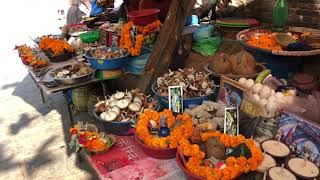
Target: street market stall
x,y
207,109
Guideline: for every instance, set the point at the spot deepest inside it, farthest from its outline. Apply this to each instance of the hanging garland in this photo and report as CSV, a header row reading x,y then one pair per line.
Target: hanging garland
x,y
234,166
126,40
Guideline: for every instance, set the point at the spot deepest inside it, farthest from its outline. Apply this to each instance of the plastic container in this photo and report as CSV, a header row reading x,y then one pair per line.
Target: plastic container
x,y
158,153
144,16
117,128
203,32
107,64
164,102
189,175
80,97
280,15
89,37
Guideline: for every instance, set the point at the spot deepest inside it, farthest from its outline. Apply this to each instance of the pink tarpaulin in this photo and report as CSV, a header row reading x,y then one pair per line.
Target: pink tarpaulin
x,y
126,160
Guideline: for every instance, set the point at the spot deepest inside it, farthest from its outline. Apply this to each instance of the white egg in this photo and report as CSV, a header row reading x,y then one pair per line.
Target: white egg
x,y
256,97
265,92
263,102
257,87
272,99
272,107
279,95
242,81
273,92
249,83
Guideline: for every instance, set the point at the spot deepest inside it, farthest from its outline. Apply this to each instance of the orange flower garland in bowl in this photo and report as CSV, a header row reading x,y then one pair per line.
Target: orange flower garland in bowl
x,y
57,46
126,42
234,166
183,131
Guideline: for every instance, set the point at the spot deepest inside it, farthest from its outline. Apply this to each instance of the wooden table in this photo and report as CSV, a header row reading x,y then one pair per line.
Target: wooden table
x,y
64,88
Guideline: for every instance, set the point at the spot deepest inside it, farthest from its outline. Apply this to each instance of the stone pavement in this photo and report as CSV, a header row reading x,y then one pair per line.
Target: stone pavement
x,y
33,135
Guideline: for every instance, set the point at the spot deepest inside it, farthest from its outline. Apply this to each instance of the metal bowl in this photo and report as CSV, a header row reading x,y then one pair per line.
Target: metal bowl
x,y
71,81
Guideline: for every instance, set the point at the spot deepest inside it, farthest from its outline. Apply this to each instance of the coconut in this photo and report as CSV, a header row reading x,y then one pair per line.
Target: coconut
x,y
243,64
303,168
275,148
221,64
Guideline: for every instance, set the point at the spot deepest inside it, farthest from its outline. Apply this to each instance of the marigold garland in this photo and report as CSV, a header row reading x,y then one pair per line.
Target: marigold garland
x,y
126,42
234,166
57,46
183,131
30,57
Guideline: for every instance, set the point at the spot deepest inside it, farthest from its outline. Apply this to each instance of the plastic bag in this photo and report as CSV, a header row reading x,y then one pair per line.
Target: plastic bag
x,y
207,46
203,33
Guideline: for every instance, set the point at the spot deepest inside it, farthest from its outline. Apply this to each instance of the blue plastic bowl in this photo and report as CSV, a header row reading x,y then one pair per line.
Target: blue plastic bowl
x,y
164,100
107,64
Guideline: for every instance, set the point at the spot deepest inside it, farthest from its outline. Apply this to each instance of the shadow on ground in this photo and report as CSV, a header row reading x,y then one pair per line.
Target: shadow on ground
x,y
30,94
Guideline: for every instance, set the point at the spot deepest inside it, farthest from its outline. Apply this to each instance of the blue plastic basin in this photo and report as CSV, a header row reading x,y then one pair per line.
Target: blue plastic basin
x,y
164,100
107,64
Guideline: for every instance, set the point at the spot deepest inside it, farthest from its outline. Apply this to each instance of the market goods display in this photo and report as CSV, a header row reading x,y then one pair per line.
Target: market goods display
x,y
275,148
131,31
303,168
194,83
242,64
73,71
30,57
124,106
207,116
181,127
249,158
291,40
107,53
55,46
268,99
107,58
89,140
280,173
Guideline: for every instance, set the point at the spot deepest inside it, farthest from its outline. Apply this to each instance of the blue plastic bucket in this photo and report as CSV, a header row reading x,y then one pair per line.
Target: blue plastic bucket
x,y
107,64
192,20
164,102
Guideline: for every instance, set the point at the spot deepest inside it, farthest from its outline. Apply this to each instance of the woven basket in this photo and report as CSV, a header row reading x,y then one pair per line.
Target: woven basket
x,y
245,35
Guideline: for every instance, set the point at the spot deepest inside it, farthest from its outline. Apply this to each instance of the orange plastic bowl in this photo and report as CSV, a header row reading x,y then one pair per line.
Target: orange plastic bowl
x,y
158,153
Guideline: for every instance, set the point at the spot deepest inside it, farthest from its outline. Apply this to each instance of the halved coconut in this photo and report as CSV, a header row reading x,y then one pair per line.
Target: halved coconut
x,y
275,148
303,168
280,173
119,95
267,163
123,103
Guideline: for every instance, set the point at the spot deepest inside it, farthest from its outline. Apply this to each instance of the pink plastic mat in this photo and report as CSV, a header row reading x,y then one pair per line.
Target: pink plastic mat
x,y
127,161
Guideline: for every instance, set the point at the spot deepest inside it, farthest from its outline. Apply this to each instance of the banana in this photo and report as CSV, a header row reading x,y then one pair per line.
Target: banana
x,y
263,75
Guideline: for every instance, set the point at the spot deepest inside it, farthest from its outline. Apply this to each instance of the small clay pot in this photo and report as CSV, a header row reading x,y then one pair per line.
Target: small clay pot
x,y
305,82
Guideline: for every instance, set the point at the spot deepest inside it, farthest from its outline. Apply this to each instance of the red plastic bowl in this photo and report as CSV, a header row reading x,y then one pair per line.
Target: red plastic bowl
x,y
189,175
144,16
168,153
